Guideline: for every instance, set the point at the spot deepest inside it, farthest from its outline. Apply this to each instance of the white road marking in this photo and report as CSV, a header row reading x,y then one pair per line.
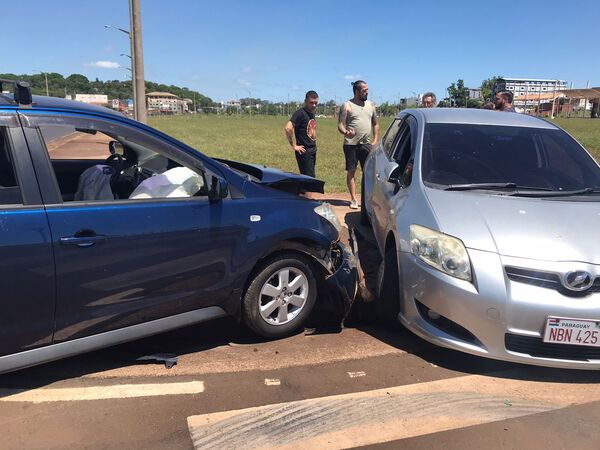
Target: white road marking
x,y
42,395
383,415
272,381
357,374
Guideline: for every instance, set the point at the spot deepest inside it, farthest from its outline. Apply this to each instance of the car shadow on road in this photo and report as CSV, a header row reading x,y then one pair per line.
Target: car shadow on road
x,y
363,317
192,339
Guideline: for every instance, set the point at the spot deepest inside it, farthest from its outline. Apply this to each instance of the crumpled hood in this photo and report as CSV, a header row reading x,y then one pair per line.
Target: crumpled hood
x,y
276,178
551,230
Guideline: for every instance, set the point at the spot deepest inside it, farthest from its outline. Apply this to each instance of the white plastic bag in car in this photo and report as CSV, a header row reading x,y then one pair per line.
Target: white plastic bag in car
x,y
176,182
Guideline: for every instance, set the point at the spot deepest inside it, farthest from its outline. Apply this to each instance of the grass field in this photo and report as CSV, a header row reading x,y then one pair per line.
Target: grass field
x,y
261,140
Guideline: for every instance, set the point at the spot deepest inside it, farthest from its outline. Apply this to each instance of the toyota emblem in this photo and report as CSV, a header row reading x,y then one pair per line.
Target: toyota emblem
x,y
578,280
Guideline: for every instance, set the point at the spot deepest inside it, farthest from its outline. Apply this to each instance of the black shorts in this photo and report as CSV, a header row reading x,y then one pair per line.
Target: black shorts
x,y
354,153
306,162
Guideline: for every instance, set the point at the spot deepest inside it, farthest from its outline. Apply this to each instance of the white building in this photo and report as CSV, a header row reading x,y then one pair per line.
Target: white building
x,y
530,92
474,93
93,99
165,102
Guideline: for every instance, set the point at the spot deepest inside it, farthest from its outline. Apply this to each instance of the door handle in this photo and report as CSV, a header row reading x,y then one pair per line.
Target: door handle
x,y
378,177
82,241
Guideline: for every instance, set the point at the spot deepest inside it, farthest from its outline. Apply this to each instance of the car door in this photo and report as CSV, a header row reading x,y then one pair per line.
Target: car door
x,y
128,261
395,193
26,262
383,158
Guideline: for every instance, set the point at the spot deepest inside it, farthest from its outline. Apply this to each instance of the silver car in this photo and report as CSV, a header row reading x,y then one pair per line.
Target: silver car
x,y
488,226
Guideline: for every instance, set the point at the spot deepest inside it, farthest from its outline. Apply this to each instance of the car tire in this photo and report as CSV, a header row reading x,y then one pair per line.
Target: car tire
x,y
387,303
271,307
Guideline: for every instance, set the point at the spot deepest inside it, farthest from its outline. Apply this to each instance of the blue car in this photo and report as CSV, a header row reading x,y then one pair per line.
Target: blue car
x,y
113,231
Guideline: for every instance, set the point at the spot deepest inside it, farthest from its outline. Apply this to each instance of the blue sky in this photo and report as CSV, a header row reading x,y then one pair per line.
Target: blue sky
x,y
275,49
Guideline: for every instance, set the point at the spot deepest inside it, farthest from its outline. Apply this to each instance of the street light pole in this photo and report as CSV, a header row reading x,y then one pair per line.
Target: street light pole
x,y
132,58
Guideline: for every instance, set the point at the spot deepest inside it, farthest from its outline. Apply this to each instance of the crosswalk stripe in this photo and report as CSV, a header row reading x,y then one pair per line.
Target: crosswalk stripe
x,y
383,415
42,395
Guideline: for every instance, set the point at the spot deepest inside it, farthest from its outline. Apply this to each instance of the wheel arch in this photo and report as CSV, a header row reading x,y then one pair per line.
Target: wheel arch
x,y
310,249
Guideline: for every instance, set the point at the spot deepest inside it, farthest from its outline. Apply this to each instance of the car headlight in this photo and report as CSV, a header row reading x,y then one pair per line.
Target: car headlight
x,y
445,253
326,211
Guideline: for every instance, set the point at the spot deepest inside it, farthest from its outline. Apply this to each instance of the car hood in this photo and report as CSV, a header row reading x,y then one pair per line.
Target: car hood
x,y
276,178
543,229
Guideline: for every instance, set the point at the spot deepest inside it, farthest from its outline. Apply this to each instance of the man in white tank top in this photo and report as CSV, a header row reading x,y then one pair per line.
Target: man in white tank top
x,y
357,121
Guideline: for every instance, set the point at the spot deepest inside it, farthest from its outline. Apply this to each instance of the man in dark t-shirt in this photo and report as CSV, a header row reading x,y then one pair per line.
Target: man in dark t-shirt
x,y
303,125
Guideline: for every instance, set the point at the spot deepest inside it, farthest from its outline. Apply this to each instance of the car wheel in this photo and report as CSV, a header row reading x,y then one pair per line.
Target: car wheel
x,y
387,304
281,296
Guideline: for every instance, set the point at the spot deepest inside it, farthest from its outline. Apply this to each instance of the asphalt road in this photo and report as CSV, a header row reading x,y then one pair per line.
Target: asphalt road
x,y
363,386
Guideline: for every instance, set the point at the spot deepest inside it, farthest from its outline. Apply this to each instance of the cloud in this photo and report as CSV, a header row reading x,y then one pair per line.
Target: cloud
x,y
103,64
108,49
247,69
244,82
352,77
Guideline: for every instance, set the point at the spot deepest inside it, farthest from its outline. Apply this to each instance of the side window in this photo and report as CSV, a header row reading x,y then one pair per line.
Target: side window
x,y
97,161
68,142
404,154
390,135
10,192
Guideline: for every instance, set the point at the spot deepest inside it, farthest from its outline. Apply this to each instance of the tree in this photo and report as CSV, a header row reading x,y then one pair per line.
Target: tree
x,y
487,88
77,83
458,94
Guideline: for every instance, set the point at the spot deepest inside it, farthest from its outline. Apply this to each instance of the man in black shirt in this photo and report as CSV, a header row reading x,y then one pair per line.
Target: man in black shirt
x,y
304,126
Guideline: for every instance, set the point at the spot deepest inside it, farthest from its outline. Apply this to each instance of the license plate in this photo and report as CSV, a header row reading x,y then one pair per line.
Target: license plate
x,y
560,330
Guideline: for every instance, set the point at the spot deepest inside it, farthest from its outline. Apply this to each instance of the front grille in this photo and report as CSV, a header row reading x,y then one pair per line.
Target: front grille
x,y
534,346
547,280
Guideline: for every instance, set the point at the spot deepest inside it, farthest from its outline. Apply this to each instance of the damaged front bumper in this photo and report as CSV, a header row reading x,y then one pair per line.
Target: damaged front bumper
x,y
340,283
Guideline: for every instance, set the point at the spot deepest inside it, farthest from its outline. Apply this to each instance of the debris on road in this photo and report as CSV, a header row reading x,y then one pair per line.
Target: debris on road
x,y
169,359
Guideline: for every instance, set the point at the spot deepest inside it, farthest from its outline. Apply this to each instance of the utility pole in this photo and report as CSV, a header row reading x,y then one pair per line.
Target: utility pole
x,y
46,78
250,102
138,60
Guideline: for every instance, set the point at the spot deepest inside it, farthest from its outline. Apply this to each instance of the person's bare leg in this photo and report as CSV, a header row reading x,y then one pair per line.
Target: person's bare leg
x,y
351,184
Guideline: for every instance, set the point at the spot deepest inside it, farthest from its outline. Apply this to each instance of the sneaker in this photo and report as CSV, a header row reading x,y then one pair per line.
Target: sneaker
x,y
353,205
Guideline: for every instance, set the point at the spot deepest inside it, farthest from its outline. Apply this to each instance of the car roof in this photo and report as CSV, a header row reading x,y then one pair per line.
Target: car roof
x,y
42,102
479,117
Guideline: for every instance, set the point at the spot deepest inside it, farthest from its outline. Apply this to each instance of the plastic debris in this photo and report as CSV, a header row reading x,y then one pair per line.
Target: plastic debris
x,y
169,359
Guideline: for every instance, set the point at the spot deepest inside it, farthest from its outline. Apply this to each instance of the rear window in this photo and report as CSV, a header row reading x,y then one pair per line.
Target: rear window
x,y
542,158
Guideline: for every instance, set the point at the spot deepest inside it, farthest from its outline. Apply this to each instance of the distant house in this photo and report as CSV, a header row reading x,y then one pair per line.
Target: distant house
x,y
92,99
474,93
165,103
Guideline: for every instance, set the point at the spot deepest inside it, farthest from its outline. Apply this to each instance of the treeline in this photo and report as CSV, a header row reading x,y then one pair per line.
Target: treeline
x,y
59,86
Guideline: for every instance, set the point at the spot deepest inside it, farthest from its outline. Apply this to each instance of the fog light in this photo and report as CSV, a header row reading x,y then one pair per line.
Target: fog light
x,y
433,315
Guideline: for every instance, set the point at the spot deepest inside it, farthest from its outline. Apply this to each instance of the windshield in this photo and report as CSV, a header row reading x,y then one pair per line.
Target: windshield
x,y
467,155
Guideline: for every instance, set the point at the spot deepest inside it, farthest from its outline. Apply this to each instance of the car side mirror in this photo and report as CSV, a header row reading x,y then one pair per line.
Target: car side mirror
x,y
391,171
218,189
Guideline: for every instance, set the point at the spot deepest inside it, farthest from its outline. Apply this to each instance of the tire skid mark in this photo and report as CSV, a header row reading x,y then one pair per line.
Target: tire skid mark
x,y
247,424
382,415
